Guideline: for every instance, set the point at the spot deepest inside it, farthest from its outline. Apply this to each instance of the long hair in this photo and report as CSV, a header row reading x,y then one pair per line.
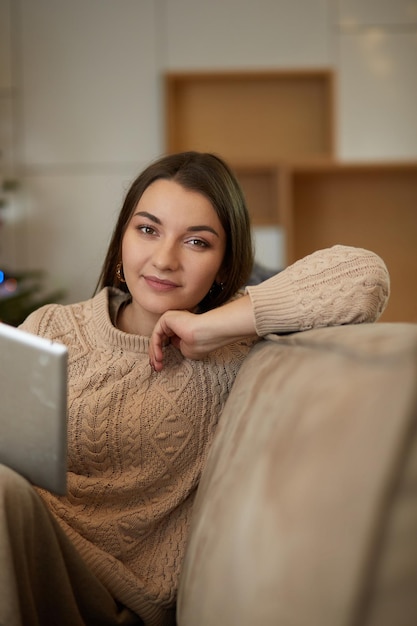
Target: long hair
x,y
211,176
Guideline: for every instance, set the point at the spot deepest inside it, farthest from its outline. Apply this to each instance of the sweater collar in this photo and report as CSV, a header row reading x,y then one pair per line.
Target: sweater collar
x,y
106,305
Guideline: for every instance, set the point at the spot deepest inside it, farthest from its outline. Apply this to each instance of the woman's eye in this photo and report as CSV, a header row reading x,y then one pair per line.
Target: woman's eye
x,y
199,243
147,230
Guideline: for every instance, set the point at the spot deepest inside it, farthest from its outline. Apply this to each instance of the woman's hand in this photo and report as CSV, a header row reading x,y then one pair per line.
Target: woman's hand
x,y
181,328
198,335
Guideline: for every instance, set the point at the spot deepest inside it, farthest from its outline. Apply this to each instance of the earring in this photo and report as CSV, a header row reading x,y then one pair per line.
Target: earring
x,y
215,289
119,273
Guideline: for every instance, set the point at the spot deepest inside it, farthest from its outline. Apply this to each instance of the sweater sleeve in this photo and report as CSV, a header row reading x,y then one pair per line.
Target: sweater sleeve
x,y
338,285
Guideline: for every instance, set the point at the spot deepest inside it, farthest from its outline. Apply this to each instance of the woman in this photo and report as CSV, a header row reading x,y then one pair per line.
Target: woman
x,y
152,358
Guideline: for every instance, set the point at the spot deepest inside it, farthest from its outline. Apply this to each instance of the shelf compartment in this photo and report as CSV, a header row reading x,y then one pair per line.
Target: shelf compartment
x,y
253,116
372,206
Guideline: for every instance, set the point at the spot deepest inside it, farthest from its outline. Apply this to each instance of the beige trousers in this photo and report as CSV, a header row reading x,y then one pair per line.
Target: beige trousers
x,y
43,579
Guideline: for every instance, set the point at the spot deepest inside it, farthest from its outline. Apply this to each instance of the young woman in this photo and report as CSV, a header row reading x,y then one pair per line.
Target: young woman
x,y
152,358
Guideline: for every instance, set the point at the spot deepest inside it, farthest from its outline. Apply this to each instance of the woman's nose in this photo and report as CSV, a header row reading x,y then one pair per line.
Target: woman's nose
x,y
166,256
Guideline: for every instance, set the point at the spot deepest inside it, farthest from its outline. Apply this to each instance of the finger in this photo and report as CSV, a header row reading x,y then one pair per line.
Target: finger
x,y
156,363
157,366
155,349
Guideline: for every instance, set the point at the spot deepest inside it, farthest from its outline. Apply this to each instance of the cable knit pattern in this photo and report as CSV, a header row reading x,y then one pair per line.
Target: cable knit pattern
x,y
339,285
138,440
137,443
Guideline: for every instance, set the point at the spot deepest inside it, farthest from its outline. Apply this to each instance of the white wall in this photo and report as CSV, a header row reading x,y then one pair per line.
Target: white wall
x,y
377,65
81,100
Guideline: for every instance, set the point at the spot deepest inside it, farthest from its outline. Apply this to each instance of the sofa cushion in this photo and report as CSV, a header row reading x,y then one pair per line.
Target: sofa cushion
x,y
306,513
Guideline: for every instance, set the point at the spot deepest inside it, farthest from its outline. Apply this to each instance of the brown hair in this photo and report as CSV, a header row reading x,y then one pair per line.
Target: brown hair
x,y
211,176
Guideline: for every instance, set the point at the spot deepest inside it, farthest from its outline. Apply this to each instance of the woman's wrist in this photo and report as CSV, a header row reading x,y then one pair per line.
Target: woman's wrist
x,y
232,321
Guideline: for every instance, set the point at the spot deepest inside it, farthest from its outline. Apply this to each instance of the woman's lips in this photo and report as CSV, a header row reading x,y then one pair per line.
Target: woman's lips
x,y
159,284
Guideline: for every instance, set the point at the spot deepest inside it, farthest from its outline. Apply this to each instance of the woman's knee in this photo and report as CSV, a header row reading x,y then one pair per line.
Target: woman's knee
x,y
17,495
11,479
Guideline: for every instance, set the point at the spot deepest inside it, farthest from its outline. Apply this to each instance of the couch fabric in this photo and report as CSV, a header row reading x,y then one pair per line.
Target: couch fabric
x,y
306,514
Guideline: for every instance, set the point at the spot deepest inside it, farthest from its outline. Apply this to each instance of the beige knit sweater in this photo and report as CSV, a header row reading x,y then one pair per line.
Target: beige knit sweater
x,y
138,440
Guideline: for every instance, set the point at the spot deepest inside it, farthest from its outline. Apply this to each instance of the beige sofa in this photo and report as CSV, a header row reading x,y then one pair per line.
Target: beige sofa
x,y
307,511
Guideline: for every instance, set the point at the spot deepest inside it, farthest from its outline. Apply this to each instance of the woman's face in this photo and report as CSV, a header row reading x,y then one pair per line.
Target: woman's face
x,y
172,251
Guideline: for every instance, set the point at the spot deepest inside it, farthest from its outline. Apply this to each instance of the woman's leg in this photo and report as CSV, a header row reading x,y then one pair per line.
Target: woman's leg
x,y
43,579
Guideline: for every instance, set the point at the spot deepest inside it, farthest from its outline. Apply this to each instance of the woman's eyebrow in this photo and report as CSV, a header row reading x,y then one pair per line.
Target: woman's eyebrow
x,y
199,228
149,216
190,229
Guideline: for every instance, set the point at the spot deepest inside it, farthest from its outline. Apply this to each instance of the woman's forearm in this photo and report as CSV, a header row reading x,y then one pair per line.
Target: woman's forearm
x,y
338,285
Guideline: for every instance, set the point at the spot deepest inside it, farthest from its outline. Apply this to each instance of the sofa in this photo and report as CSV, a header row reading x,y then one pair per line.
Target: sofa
x,y
306,514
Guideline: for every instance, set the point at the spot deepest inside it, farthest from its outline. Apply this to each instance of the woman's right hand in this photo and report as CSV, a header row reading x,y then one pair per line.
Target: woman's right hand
x,y
196,335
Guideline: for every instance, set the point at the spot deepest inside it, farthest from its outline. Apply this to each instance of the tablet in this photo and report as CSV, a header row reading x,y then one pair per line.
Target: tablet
x,y
33,407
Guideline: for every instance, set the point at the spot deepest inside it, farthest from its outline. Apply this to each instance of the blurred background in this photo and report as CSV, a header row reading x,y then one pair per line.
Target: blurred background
x,y
92,91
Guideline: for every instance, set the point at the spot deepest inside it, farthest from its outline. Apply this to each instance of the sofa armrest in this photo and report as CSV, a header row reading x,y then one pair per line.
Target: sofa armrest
x,y
306,514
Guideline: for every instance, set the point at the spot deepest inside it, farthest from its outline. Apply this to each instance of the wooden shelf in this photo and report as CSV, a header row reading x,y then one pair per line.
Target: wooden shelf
x,y
252,116
263,187
372,206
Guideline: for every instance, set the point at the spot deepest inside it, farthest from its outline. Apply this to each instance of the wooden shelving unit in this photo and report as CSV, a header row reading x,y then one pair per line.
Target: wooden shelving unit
x,y
276,129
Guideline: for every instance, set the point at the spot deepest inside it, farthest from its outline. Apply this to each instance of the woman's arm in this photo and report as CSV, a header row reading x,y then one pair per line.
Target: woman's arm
x,y
331,287
339,285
